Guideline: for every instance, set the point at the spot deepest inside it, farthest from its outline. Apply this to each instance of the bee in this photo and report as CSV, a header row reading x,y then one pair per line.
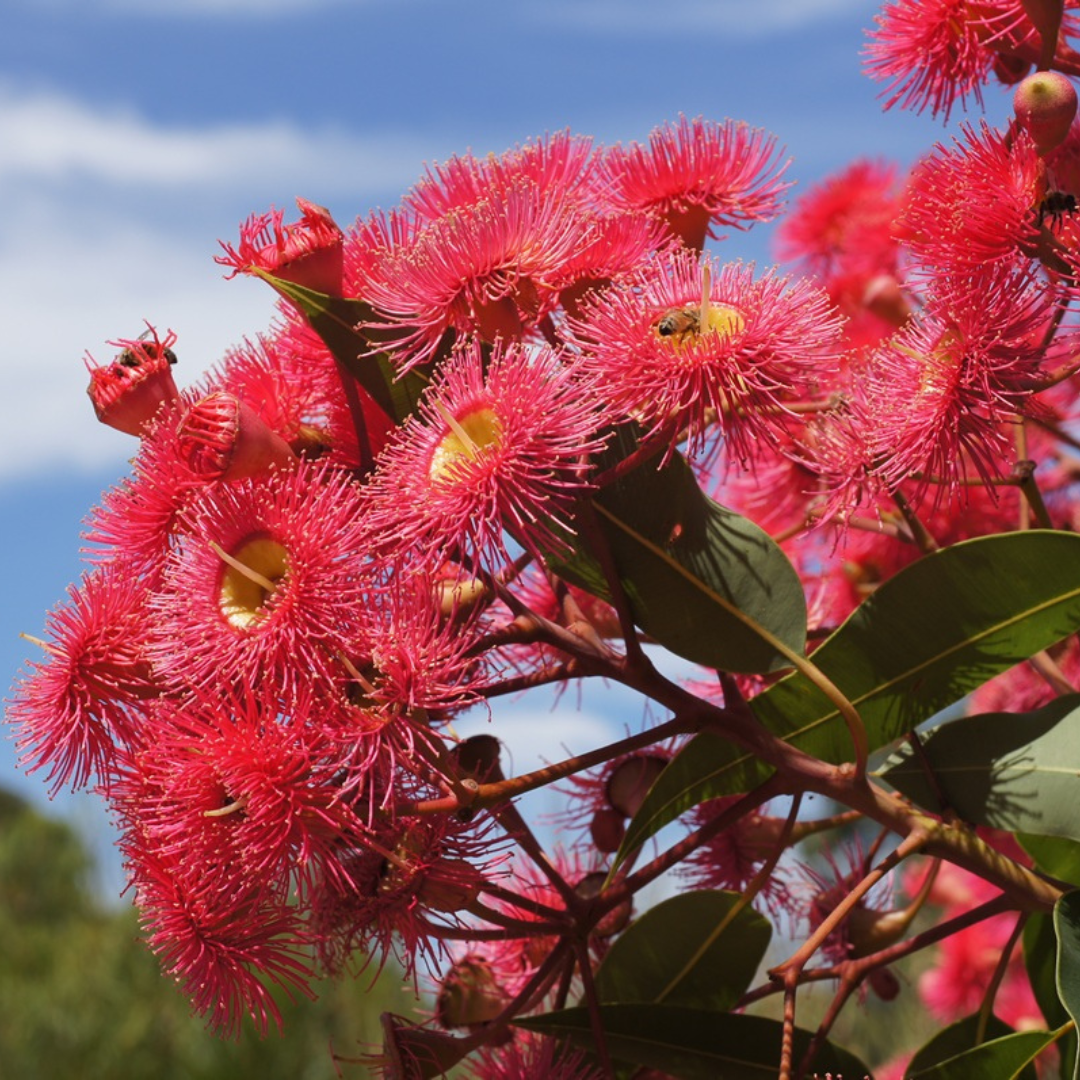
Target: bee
x,y
1056,205
130,357
678,323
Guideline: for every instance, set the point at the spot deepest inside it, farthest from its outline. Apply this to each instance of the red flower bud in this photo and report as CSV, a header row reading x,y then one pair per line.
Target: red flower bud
x,y
128,392
223,438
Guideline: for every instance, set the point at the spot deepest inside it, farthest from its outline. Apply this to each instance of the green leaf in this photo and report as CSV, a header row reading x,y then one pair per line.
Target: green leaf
x,y
692,1044
336,320
1054,855
1005,1058
1040,960
687,950
706,583
929,635
1014,771
1067,928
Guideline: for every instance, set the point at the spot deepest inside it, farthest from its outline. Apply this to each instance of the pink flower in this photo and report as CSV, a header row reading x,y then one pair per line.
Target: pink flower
x,y
975,202
562,166
238,778
530,1056
841,231
265,583
949,383
400,883
222,940
696,176
955,986
128,393
78,711
486,270
937,52
645,342
500,443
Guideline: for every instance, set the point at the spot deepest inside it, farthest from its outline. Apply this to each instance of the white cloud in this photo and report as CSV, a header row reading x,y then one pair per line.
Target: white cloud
x,y
99,233
678,18
51,137
68,291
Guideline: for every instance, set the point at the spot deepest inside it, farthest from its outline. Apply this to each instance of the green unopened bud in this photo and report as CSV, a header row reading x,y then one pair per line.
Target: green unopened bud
x,y
470,995
630,781
869,930
1045,105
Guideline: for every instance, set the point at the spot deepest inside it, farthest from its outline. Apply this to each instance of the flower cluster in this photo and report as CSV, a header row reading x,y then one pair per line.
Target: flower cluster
x,y
500,437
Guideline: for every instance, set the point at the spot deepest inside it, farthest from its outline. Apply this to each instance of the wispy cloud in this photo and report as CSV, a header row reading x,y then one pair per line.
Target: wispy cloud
x,y
678,18
50,136
98,234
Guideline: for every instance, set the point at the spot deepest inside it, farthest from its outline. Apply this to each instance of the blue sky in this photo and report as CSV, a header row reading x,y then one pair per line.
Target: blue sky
x,y
136,133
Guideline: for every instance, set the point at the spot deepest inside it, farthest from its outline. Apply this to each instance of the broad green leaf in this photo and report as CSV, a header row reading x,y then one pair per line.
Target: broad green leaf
x,y
1014,771
1067,928
687,950
700,579
929,635
336,320
1006,1058
1054,855
954,1040
692,1044
1040,960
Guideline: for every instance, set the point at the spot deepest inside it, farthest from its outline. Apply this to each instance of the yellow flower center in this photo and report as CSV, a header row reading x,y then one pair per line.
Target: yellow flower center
x,y
682,327
469,436
251,577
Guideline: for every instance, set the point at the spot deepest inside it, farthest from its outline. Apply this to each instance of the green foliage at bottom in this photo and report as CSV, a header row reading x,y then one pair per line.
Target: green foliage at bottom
x,y
80,994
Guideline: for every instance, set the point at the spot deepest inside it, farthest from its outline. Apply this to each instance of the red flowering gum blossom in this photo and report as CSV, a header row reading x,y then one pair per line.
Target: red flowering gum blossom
x,y
306,253
128,392
1045,105
223,438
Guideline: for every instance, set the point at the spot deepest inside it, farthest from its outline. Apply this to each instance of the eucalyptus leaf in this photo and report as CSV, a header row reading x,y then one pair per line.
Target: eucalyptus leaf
x,y
337,321
703,581
956,1039
1040,960
688,950
928,636
1054,855
1007,1058
1067,929
692,1044
1014,771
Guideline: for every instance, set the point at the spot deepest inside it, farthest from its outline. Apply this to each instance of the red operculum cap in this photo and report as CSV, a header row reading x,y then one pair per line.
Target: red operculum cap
x,y
223,438
128,392
308,252
1045,105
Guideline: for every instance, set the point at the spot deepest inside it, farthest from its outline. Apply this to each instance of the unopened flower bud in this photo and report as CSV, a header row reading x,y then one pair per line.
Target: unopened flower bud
x,y
886,299
607,829
630,781
1009,68
470,995
223,438
477,758
450,885
1045,105
128,392
591,885
884,983
869,930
